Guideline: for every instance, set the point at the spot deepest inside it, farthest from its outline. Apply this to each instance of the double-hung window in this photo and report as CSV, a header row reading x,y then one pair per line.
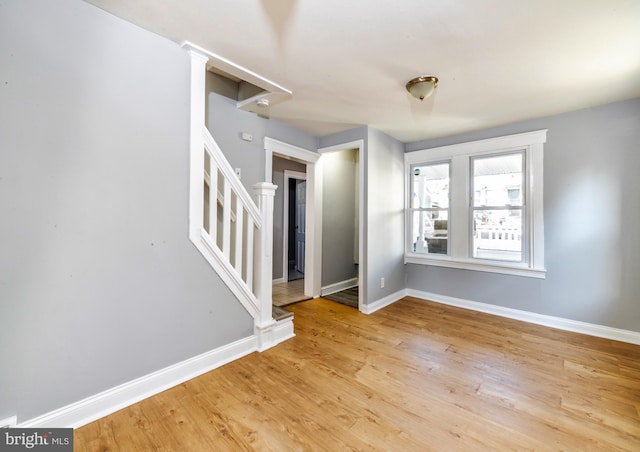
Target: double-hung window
x,y
478,205
498,210
430,207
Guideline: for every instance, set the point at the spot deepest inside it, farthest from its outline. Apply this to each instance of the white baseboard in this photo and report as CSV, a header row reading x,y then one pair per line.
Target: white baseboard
x,y
94,407
283,330
383,302
337,287
560,323
8,422
279,281
272,334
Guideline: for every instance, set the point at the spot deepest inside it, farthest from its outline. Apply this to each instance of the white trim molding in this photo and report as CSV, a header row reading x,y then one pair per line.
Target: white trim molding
x,y
460,157
99,405
288,175
313,243
271,91
8,422
337,287
298,154
383,302
272,334
468,264
560,323
356,144
591,329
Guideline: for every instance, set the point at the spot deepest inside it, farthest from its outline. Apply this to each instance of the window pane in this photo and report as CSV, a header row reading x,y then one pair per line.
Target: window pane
x,y
497,234
431,231
431,186
497,180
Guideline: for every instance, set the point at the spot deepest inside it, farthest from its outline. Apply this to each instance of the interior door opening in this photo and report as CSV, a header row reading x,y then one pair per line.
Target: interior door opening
x,y
342,274
297,227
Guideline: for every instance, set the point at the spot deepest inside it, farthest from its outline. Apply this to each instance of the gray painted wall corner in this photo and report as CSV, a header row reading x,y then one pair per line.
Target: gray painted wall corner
x,y
385,215
98,278
591,199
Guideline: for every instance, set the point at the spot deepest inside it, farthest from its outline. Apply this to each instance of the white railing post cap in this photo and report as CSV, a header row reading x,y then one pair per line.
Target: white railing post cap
x,y
266,188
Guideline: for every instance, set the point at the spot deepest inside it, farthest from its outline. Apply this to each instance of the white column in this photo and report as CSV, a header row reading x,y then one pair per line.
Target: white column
x,y
196,142
265,193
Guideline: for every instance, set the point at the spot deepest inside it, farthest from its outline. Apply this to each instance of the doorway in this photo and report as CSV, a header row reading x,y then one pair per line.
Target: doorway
x,y
313,218
343,271
289,226
294,239
290,289
311,259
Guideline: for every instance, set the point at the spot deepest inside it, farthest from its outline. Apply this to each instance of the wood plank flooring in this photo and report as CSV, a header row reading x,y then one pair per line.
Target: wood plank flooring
x,y
348,297
415,376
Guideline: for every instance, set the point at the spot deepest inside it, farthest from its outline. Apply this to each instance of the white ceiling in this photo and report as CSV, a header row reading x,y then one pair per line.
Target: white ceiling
x,y
347,61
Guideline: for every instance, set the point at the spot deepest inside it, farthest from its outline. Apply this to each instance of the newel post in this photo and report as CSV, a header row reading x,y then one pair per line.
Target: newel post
x,y
265,193
197,105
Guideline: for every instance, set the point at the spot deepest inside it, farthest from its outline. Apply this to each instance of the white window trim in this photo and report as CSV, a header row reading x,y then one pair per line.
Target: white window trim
x,y
533,145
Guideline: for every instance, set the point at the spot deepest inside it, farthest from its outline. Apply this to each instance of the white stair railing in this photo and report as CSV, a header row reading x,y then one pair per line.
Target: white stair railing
x,y
234,234
233,229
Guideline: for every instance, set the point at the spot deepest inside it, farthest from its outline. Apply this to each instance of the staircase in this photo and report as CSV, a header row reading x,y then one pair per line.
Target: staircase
x,y
233,233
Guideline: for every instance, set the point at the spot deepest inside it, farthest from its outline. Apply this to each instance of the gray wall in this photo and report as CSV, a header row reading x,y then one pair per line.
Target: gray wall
x,y
591,215
226,124
279,166
385,215
383,210
339,170
347,136
99,283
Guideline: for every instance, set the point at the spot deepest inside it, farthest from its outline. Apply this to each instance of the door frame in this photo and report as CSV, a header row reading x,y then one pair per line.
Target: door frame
x,y
359,145
288,175
313,229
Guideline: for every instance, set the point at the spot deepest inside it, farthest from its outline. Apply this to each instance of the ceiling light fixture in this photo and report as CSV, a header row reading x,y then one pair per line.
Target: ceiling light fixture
x,y
421,87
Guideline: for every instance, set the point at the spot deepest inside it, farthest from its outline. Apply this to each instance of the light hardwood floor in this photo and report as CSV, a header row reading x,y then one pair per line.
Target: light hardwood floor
x,y
414,376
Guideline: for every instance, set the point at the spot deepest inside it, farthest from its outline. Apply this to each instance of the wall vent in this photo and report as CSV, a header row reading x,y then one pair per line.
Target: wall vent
x,y
9,422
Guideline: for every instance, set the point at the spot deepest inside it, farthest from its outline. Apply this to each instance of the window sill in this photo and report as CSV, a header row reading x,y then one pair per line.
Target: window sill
x,y
465,264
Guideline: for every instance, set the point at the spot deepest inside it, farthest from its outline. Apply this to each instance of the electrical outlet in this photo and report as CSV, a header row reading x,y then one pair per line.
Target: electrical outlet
x,y
9,422
382,283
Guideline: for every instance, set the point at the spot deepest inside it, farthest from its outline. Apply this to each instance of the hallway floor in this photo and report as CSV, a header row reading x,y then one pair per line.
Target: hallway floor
x,y
289,292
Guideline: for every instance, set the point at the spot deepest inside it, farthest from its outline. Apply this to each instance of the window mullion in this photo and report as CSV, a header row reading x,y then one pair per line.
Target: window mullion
x,y
458,227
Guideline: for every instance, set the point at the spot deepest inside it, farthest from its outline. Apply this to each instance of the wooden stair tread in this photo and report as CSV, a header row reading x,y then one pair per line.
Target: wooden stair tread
x,y
279,313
